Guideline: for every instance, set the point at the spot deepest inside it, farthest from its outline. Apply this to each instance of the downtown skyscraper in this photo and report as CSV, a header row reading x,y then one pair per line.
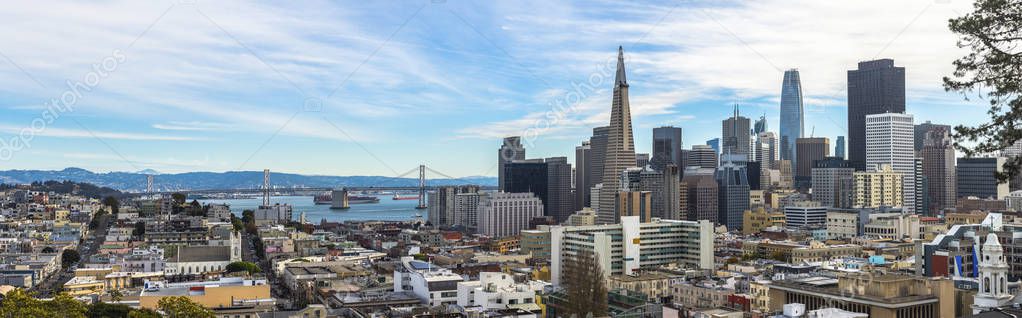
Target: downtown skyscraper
x,y
889,139
666,148
735,137
511,150
792,116
876,87
620,150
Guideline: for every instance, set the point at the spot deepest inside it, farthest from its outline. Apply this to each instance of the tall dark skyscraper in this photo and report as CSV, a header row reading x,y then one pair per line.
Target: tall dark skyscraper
x,y
809,150
792,117
666,148
549,180
620,153
876,87
583,171
511,150
560,203
732,195
735,136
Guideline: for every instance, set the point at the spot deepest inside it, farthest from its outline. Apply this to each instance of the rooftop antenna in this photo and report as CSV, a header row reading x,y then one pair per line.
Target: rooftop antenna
x,y
266,187
813,132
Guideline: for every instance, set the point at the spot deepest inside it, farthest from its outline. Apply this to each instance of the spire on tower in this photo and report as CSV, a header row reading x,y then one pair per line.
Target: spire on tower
x,y
619,80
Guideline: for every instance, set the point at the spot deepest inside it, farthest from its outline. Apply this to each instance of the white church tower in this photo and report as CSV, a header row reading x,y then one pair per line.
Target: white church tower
x,y
993,277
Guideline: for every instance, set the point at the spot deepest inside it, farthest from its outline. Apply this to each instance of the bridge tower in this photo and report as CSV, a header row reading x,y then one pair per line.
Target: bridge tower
x,y
149,185
422,187
266,187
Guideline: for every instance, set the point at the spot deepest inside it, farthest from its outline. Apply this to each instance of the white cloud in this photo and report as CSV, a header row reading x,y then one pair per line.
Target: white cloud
x,y
83,133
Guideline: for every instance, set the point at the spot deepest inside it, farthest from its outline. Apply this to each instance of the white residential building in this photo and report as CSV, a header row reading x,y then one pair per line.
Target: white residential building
x,y
495,290
505,214
433,285
890,140
805,213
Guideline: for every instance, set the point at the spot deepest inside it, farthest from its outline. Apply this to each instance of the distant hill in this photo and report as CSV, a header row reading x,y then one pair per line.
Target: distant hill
x,y
136,181
82,188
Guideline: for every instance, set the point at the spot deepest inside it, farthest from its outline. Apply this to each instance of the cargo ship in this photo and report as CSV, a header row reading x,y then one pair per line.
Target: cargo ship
x,y
323,199
358,199
399,197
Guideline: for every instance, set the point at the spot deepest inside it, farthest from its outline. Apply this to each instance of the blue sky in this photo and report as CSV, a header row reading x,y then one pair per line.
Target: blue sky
x,y
353,88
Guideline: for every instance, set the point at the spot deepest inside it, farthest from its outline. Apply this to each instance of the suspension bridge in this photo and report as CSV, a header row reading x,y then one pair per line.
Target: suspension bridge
x,y
266,189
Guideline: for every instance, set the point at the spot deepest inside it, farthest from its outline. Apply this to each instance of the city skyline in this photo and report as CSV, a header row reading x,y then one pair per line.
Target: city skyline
x,y
226,94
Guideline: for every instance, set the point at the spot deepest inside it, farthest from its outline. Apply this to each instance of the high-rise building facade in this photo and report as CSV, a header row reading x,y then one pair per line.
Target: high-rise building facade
x,y
808,150
701,191
977,178
766,149
511,150
666,147
560,203
504,214
620,153
876,87
879,188
922,129
735,136
792,117
442,204
732,195
839,147
714,143
583,172
760,126
832,182
549,180
466,209
622,249
641,160
702,156
634,203
889,138
938,153
663,187
598,143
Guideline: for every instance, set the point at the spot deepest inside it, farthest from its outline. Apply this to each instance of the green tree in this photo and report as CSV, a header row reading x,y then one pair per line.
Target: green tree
x,y
993,71
586,288
68,257
182,307
139,229
249,267
111,201
107,310
179,198
19,303
143,313
116,295
48,249
66,306
248,216
236,222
